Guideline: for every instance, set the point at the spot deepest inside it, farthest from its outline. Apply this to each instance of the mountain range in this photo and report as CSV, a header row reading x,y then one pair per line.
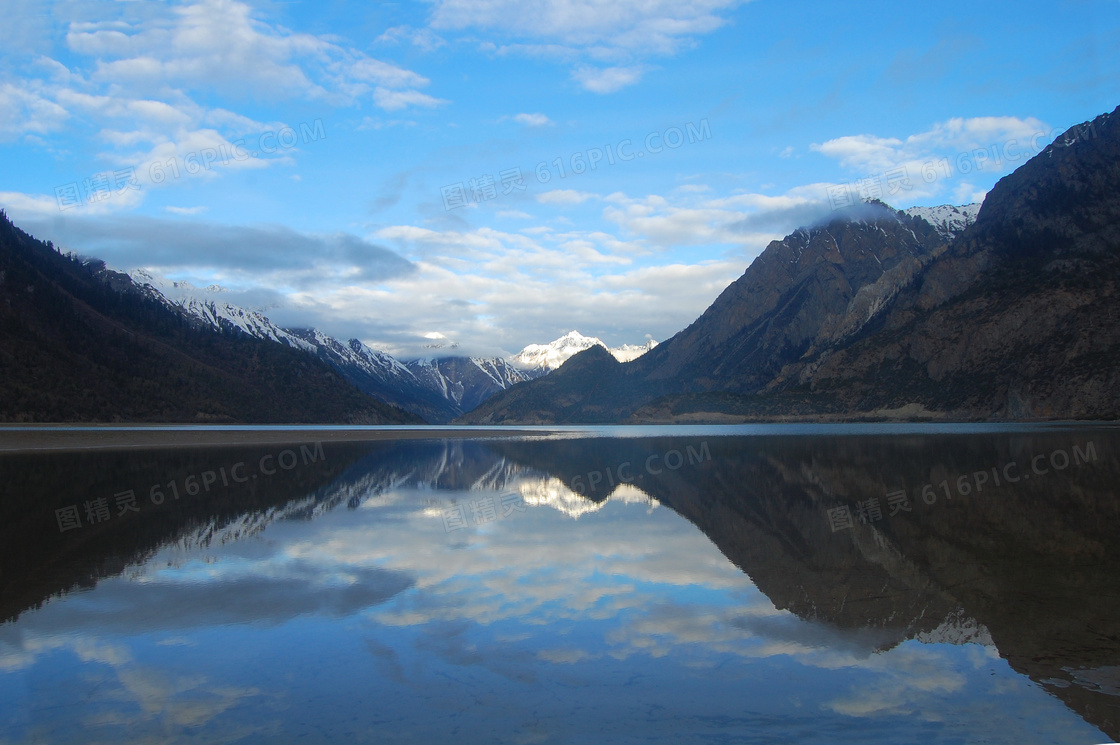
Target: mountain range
x,y
1008,312
70,325
437,388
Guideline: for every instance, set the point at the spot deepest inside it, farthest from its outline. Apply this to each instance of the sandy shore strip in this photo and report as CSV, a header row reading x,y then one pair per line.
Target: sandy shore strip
x,y
39,438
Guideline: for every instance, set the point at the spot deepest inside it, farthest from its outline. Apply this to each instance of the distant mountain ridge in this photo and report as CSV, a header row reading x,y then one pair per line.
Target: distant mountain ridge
x,y
931,313
437,388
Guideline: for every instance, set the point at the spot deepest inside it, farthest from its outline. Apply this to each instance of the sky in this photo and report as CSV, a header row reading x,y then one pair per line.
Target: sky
x,y
500,172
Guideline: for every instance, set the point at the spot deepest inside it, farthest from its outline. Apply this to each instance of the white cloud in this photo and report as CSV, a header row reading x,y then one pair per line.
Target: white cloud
x,y
922,164
422,38
134,97
471,286
220,45
966,193
136,111
608,80
69,200
208,44
746,222
564,196
385,74
19,205
391,100
24,111
618,33
532,120
471,283
186,210
599,26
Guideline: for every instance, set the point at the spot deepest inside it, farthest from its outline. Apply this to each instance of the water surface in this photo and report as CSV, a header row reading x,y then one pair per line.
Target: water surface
x,y
718,585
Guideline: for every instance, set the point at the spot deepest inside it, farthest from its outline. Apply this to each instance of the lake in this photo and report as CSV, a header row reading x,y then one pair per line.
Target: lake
x,y
771,584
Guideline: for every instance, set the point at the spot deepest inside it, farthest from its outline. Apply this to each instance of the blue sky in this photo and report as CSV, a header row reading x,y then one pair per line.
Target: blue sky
x,y
370,124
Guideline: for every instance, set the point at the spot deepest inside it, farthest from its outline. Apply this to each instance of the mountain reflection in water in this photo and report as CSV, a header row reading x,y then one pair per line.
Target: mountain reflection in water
x,y
557,590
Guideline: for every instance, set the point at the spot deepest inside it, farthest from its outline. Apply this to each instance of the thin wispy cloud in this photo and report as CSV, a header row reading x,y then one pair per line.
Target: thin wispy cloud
x,y
532,120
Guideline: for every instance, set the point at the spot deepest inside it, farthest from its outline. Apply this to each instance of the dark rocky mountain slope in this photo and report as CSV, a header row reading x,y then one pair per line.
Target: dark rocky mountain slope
x,y
81,344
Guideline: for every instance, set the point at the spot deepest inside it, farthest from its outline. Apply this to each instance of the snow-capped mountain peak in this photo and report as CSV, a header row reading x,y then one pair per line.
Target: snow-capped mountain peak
x,y
548,357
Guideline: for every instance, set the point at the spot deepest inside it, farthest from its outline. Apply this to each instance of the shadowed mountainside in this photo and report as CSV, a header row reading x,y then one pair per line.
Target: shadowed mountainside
x,y
79,346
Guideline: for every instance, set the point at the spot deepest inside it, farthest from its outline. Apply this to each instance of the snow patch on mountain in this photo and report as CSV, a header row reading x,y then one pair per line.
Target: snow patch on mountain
x,y
958,628
208,305
948,220
354,354
628,352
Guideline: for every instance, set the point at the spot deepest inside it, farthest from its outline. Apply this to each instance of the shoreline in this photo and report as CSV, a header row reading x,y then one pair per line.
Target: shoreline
x,y
17,439
23,439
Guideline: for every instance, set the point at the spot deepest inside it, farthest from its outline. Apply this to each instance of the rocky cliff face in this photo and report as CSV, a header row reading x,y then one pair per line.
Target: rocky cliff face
x,y
815,288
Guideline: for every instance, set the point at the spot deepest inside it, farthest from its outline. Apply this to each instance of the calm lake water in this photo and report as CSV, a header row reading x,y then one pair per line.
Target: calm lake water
x,y
775,585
